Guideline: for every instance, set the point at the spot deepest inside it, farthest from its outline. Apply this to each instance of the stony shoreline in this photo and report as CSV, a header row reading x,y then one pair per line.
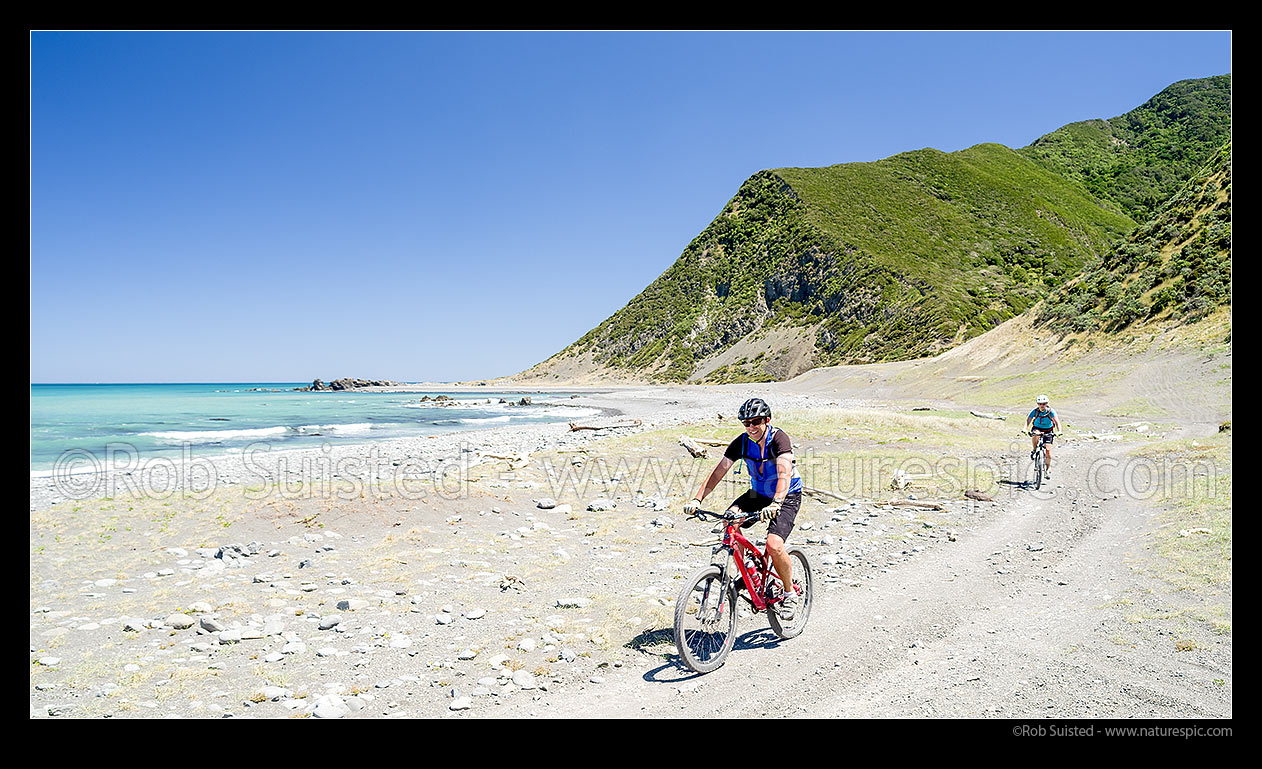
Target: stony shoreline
x,y
417,457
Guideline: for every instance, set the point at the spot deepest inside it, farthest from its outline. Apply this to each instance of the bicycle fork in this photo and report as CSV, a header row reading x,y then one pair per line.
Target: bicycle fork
x,y
724,557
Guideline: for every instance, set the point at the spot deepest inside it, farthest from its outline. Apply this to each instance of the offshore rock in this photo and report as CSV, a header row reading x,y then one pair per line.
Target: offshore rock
x,y
346,383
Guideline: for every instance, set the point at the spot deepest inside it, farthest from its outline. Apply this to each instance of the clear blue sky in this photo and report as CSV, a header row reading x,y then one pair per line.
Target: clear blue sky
x,y
280,207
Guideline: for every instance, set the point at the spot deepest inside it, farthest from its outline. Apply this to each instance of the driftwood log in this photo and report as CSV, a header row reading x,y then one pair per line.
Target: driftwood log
x,y
977,495
574,426
822,493
693,447
512,459
914,503
984,415
712,442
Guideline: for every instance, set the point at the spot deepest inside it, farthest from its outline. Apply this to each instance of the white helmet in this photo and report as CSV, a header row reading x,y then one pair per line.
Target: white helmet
x,y
1041,399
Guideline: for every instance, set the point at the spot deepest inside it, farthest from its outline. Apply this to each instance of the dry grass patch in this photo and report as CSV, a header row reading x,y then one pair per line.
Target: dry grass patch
x,y
1067,383
1209,336
867,473
179,679
1194,534
884,426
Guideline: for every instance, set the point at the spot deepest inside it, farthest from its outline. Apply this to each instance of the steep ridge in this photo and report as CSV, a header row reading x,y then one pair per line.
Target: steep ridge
x,y
900,258
1140,159
860,262
1177,264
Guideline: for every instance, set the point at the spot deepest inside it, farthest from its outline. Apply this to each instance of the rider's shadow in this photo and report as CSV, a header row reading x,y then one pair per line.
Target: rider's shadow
x,y
675,671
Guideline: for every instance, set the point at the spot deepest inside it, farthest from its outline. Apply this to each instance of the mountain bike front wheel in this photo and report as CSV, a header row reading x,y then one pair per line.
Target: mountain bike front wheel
x,y
705,620
1038,469
803,582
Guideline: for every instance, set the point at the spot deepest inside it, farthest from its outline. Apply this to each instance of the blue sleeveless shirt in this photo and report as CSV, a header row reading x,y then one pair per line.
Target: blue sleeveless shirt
x,y
763,473
1043,421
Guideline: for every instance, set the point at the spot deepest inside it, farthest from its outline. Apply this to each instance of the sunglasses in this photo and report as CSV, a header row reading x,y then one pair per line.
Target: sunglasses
x,y
752,422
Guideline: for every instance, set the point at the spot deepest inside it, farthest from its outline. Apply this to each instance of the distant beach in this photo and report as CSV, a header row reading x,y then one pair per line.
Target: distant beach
x,y
167,420
292,440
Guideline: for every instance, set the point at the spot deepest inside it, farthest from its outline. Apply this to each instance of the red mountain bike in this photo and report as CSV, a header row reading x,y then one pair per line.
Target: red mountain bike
x,y
705,612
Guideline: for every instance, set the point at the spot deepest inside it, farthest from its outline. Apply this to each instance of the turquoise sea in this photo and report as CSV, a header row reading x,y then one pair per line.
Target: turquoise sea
x,y
210,419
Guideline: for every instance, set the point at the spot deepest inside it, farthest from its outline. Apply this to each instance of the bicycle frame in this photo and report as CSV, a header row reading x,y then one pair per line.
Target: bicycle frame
x,y
1042,447
706,614
755,583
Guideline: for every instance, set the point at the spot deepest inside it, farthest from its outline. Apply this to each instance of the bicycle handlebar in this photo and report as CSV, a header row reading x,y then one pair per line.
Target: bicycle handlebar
x,y
723,516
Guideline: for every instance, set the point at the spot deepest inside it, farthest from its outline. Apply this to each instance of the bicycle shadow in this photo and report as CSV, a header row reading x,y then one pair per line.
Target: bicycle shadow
x,y
674,671
1026,484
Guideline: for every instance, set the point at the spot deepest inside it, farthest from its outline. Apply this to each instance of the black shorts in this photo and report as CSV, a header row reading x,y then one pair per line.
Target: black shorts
x,y
1046,435
751,501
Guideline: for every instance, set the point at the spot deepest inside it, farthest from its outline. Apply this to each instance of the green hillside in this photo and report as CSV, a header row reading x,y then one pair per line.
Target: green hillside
x,y
1140,159
1176,264
913,254
874,261
978,233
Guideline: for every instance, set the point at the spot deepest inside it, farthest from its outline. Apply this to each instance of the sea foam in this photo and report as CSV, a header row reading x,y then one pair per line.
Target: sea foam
x,y
214,436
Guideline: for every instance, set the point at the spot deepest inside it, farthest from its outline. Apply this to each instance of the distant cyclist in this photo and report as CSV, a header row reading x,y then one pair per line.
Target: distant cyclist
x,y
775,487
1042,425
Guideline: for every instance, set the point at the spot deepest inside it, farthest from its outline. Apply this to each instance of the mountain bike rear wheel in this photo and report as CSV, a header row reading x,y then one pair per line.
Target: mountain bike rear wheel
x,y
705,620
802,580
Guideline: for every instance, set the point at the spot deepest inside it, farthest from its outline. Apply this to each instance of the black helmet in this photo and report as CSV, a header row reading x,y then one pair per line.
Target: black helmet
x,y
754,408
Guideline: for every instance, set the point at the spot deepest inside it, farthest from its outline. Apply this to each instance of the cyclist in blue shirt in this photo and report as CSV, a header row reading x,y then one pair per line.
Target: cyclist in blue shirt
x,y
1042,425
775,487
